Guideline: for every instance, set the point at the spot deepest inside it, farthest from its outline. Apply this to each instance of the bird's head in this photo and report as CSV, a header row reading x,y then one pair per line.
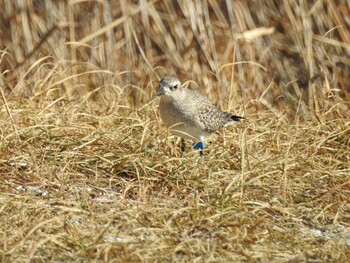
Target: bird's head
x,y
168,86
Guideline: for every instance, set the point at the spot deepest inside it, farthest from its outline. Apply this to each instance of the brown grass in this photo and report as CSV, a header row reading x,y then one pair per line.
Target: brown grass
x,y
89,173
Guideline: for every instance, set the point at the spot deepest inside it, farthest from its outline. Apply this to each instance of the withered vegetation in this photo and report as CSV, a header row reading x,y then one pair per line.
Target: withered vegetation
x,y
89,173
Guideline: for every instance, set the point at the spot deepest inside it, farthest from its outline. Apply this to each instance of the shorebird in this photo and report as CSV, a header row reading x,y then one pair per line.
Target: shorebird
x,y
190,115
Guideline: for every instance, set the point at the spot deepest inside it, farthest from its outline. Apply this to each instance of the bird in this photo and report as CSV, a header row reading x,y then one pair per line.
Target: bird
x,y
190,115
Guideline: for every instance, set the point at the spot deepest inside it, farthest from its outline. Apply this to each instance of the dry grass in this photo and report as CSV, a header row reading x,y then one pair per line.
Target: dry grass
x,y
89,173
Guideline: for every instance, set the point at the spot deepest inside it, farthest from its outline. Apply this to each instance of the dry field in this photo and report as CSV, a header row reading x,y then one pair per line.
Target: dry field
x,y
88,173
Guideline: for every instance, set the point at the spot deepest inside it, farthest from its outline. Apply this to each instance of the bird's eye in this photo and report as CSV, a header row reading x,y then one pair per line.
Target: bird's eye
x,y
174,87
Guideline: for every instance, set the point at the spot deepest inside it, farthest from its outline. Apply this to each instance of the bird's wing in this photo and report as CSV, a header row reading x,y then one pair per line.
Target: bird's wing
x,y
207,114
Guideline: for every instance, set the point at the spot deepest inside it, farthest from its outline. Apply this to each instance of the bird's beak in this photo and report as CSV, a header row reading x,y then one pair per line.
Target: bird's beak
x,y
160,92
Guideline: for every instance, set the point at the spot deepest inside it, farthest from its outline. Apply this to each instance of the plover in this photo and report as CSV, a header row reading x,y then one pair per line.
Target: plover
x,y
190,115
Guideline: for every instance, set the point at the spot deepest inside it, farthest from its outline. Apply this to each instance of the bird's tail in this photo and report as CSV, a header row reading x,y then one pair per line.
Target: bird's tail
x,y
236,118
230,118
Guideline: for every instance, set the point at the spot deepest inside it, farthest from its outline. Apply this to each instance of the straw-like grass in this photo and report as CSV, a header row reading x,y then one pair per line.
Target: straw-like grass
x,y
89,173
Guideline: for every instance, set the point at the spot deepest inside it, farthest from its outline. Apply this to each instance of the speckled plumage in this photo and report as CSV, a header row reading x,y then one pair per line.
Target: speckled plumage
x,y
189,114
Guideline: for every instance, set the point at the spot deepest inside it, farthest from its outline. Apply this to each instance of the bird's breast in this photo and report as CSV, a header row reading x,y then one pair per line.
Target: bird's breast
x,y
181,119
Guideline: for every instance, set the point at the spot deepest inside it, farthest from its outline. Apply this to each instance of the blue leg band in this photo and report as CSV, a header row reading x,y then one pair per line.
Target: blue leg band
x,y
198,146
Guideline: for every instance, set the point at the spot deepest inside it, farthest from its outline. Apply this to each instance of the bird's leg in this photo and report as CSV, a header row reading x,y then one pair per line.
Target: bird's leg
x,y
199,146
183,147
201,152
